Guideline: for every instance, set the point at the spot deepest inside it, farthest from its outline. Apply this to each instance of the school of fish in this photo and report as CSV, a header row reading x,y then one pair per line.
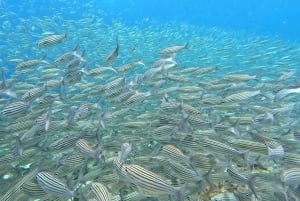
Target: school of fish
x,y
157,113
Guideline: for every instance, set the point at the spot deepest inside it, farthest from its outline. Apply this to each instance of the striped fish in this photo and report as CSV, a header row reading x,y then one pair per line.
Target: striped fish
x,y
87,151
54,84
51,40
243,196
291,176
184,172
68,56
170,106
150,183
222,148
46,101
129,66
71,160
30,63
133,196
174,153
33,190
99,71
115,84
275,150
120,168
138,97
15,108
34,93
101,192
292,159
174,49
241,96
17,188
240,178
54,186
163,132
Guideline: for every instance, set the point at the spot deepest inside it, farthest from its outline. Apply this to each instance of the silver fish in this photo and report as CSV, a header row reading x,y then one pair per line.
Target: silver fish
x,y
174,49
150,183
54,186
101,192
51,40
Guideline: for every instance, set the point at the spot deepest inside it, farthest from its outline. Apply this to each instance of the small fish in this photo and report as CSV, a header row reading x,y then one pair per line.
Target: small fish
x,y
33,190
222,148
290,177
15,190
176,154
237,176
138,97
99,71
68,56
241,96
30,64
129,66
174,49
285,92
54,186
33,93
101,192
114,54
15,108
88,152
239,77
150,183
51,40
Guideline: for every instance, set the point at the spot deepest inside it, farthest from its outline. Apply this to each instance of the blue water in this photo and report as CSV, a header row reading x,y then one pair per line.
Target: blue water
x,y
262,17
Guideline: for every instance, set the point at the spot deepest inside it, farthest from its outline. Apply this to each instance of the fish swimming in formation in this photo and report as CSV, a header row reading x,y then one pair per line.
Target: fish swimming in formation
x,y
158,123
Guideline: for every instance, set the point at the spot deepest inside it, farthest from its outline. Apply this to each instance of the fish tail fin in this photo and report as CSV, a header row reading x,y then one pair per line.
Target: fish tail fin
x,y
19,147
251,185
76,48
186,45
180,192
192,162
245,157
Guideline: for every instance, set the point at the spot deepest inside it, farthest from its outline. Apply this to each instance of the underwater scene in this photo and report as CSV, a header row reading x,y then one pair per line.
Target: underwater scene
x,y
138,100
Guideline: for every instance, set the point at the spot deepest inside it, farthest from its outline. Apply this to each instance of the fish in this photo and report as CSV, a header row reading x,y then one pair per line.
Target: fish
x,y
174,49
237,176
101,192
153,124
15,108
52,185
29,64
290,176
87,151
114,54
129,66
150,183
220,147
242,96
51,40
285,92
